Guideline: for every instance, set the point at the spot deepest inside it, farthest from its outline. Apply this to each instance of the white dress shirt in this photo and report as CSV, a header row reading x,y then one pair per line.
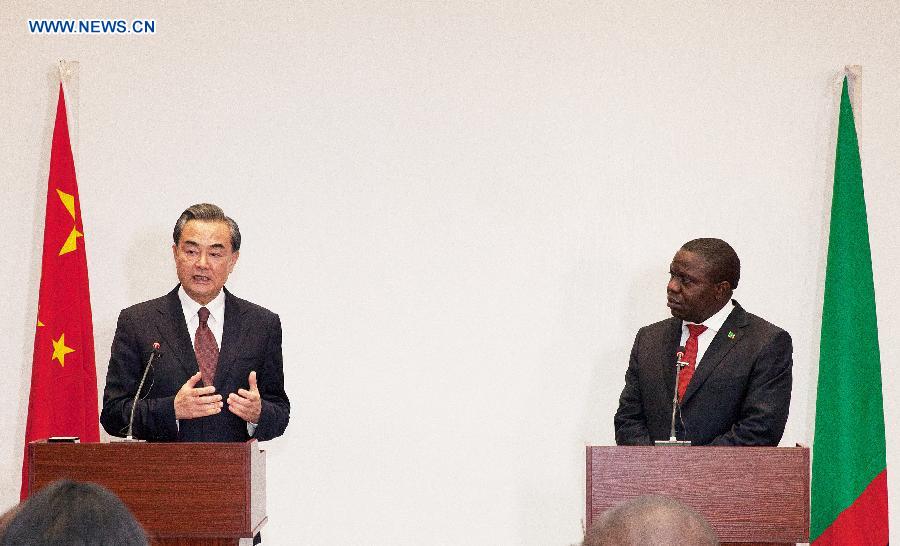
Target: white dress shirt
x,y
216,321
713,325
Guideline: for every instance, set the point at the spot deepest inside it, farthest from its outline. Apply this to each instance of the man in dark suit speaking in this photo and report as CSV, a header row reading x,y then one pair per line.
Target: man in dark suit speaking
x,y
218,376
736,388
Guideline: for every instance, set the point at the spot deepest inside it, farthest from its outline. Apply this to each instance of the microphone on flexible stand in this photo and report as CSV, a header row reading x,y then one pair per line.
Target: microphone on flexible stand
x,y
673,441
153,356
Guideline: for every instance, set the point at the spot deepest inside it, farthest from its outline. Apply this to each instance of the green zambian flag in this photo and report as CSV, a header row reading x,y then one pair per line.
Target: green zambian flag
x,y
849,503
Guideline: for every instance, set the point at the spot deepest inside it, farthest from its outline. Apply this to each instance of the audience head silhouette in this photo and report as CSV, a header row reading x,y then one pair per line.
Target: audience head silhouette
x,y
74,514
649,521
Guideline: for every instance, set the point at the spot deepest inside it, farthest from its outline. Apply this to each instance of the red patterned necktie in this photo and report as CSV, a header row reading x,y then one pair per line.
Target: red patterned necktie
x,y
206,349
690,356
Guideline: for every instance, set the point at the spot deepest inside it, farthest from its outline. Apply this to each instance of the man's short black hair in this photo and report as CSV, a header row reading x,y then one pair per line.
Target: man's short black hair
x,y
723,260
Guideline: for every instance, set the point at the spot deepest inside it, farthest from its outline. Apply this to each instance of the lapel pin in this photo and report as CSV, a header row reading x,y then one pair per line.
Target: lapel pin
x,y
730,334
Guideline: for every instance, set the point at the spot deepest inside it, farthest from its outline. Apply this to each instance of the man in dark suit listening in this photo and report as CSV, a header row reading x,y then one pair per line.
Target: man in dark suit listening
x,y
219,375
736,388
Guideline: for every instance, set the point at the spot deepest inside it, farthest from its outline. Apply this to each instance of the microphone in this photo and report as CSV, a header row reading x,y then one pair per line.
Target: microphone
x,y
673,441
153,356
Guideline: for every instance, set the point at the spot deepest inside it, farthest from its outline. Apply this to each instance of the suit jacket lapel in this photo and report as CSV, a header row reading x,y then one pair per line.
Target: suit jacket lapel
x,y
718,348
231,336
174,333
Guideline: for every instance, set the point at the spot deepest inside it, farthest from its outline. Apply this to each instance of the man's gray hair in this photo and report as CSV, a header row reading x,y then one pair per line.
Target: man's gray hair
x,y
648,521
208,213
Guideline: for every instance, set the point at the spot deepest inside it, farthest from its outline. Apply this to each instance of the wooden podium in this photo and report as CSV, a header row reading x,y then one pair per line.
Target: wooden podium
x,y
182,493
750,495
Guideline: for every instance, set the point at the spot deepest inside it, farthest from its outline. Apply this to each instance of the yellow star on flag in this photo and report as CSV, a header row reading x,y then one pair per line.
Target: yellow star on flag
x,y
60,350
68,201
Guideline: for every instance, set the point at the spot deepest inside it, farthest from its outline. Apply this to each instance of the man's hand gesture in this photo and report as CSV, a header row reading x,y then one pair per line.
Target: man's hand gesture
x,y
192,402
246,404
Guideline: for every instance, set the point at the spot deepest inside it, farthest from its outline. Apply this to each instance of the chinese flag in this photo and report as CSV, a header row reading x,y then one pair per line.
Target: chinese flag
x,y
63,400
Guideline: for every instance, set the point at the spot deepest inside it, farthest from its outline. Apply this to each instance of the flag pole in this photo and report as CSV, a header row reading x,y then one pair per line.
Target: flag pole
x,y
68,78
854,88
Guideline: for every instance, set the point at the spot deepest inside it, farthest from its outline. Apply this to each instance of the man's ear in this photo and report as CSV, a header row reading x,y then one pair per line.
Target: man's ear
x,y
724,289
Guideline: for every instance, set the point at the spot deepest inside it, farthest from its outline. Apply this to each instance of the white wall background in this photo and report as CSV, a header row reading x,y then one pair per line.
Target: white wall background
x,y
462,211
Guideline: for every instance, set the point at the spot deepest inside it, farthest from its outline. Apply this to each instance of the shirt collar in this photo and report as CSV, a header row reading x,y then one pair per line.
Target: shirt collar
x,y
190,307
716,321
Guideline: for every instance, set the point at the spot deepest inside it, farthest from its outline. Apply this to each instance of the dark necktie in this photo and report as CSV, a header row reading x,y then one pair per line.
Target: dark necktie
x,y
690,356
205,348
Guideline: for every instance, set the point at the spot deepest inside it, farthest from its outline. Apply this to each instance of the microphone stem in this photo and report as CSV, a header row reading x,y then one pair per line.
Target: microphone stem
x,y
141,386
674,401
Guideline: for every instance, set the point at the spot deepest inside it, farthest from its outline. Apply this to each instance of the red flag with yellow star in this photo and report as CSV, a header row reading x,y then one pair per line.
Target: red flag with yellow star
x,y
63,399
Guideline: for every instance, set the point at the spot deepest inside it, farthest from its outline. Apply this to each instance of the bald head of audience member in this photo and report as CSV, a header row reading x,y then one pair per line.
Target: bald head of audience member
x,y
648,521
74,514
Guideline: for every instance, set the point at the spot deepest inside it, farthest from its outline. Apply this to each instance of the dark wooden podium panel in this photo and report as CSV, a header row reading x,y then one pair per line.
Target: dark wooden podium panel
x,y
182,493
750,495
